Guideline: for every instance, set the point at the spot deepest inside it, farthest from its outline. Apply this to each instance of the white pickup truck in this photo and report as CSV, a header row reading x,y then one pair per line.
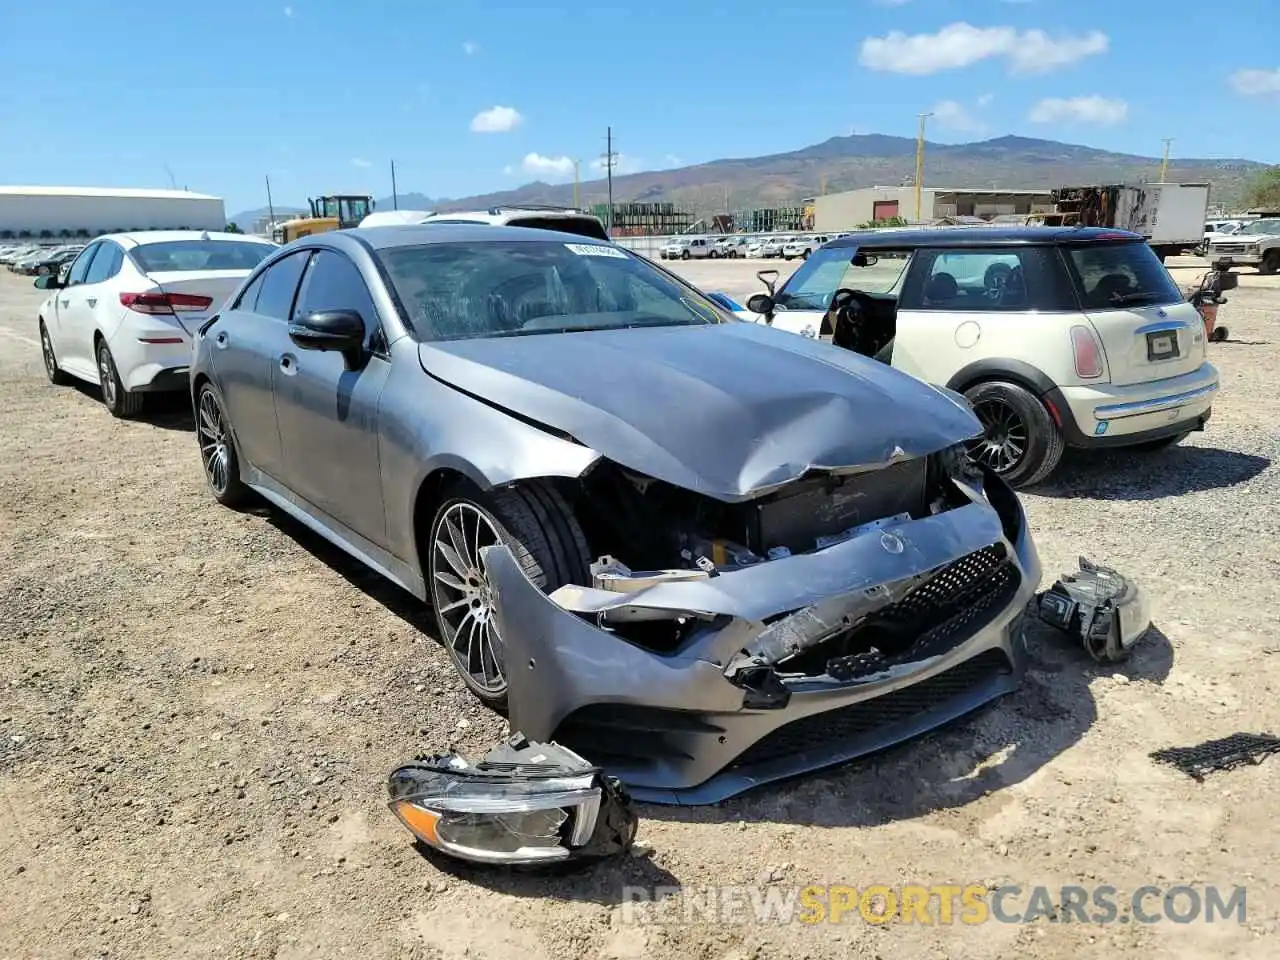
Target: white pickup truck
x,y
1256,244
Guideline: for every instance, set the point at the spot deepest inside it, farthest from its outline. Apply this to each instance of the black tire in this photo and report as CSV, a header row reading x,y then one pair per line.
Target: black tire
x,y
1219,334
714,255
119,401
539,527
51,368
1162,444
1021,442
216,439
685,255
1270,263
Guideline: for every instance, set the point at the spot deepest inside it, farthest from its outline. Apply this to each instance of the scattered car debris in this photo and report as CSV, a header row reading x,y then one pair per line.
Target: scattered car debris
x,y
524,803
1233,751
1105,611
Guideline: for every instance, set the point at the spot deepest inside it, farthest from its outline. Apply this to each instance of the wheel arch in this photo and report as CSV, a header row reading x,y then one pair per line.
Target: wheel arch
x,y
1002,368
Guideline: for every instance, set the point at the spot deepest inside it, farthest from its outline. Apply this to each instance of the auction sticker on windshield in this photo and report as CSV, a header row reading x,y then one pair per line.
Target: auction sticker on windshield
x,y
595,250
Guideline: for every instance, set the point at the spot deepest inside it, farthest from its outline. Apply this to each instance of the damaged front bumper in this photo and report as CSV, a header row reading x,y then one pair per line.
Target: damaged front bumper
x,y
727,710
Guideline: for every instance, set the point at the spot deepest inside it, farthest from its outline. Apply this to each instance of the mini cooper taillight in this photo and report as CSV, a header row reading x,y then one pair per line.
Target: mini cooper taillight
x,y
1087,351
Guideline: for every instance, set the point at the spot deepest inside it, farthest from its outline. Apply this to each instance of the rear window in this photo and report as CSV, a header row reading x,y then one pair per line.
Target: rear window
x,y
1116,276
180,255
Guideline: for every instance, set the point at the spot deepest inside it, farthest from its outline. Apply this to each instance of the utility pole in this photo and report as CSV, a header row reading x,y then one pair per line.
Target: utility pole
x,y
920,161
1164,164
609,159
271,210
395,196
576,165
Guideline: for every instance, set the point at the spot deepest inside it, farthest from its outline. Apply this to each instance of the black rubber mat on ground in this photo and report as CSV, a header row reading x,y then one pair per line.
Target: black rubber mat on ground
x,y
1232,751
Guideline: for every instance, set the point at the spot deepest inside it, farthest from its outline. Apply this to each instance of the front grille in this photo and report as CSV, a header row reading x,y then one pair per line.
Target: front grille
x,y
858,719
1229,248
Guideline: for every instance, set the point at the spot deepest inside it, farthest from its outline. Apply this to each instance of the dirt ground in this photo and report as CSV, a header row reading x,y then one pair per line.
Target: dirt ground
x,y
198,709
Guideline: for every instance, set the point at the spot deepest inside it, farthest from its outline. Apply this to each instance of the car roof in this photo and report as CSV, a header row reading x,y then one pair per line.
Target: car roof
x,y
408,235
898,238
138,237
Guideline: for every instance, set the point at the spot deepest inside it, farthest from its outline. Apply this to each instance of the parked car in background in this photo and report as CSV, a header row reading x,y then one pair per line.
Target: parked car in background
x,y
727,247
803,246
125,313
700,248
674,249
755,249
455,408
538,216
1256,244
773,245
17,253
49,263
1058,336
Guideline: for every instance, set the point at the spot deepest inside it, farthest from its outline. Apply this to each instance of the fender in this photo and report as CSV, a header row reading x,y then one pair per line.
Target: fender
x,y
1002,368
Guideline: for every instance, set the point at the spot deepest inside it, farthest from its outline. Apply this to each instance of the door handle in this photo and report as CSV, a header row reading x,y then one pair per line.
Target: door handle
x,y
91,301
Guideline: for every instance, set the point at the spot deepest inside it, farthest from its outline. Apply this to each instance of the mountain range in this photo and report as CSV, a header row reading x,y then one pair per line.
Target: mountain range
x,y
860,160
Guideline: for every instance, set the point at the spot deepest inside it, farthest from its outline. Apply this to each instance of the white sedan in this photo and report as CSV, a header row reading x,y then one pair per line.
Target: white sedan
x,y
124,316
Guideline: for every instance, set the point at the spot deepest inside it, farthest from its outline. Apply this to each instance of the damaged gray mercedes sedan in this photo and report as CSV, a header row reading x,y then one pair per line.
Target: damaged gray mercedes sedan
x,y
699,552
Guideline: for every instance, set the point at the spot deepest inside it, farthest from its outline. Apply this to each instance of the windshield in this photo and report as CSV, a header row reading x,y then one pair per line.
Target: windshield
x,y
460,291
829,269
1112,276
1261,227
177,255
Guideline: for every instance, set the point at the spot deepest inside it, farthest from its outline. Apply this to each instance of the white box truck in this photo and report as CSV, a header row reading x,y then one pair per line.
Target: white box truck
x,y
1170,215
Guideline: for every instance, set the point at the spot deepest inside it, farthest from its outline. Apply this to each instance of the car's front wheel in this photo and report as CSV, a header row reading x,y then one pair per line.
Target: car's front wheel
x,y
535,522
1270,263
118,400
51,369
685,255
218,450
1019,439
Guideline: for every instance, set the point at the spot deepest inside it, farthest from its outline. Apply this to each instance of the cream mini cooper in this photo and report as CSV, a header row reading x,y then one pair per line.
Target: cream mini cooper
x,y
1058,336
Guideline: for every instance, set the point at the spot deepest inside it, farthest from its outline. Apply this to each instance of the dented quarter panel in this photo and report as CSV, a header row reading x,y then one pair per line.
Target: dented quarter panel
x,y
726,410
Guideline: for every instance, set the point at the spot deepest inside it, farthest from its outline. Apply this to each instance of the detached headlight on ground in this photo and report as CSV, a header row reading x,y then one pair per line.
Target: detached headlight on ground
x,y
524,803
1103,610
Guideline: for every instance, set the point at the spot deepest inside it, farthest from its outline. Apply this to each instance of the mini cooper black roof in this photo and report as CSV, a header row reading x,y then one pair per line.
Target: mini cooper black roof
x,y
899,239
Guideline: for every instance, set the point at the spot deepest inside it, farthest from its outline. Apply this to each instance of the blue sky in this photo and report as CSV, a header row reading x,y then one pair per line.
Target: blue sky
x,y
476,95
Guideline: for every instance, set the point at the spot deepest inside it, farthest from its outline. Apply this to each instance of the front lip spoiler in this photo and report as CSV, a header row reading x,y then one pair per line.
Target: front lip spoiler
x,y
1112,411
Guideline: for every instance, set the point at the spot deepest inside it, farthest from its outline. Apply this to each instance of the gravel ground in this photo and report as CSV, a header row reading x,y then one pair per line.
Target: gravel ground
x,y
199,708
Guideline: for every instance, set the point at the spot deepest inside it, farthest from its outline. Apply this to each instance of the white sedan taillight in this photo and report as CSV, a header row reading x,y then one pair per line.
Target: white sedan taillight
x,y
166,304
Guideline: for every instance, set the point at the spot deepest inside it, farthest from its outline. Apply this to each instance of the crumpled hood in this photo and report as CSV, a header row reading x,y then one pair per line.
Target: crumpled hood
x,y
726,410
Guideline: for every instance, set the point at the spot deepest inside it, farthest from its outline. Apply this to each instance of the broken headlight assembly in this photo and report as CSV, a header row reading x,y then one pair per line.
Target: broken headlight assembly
x,y
1105,611
523,803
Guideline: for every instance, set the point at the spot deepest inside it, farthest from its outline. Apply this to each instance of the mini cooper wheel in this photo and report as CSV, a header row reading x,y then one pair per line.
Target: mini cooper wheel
x,y
118,400
1019,439
51,369
536,524
218,450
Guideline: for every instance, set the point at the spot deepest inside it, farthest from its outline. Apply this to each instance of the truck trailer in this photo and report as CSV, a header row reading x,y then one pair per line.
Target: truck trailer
x,y
61,212
1170,215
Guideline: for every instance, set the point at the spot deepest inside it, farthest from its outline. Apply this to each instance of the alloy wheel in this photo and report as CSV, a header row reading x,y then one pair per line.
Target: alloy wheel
x,y
215,450
46,348
107,376
1004,436
464,597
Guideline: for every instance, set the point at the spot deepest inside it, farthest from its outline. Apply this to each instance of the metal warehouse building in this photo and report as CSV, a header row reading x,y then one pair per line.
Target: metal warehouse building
x,y
844,211
58,212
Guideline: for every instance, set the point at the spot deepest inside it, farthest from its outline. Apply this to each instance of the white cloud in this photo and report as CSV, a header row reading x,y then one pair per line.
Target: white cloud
x,y
548,168
360,162
985,99
1093,109
672,160
469,48
956,116
1256,83
962,45
288,12
496,120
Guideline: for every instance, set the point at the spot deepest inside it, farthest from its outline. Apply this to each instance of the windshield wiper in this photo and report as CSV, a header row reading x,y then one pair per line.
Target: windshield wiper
x,y
1130,297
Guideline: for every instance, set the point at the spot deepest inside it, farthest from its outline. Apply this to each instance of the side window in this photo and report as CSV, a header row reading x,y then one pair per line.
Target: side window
x,y
991,280
279,284
81,265
106,264
334,283
249,299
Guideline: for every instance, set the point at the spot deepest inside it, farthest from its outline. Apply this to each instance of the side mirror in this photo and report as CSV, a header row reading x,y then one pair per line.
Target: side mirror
x,y
761,303
49,282
338,330
770,279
